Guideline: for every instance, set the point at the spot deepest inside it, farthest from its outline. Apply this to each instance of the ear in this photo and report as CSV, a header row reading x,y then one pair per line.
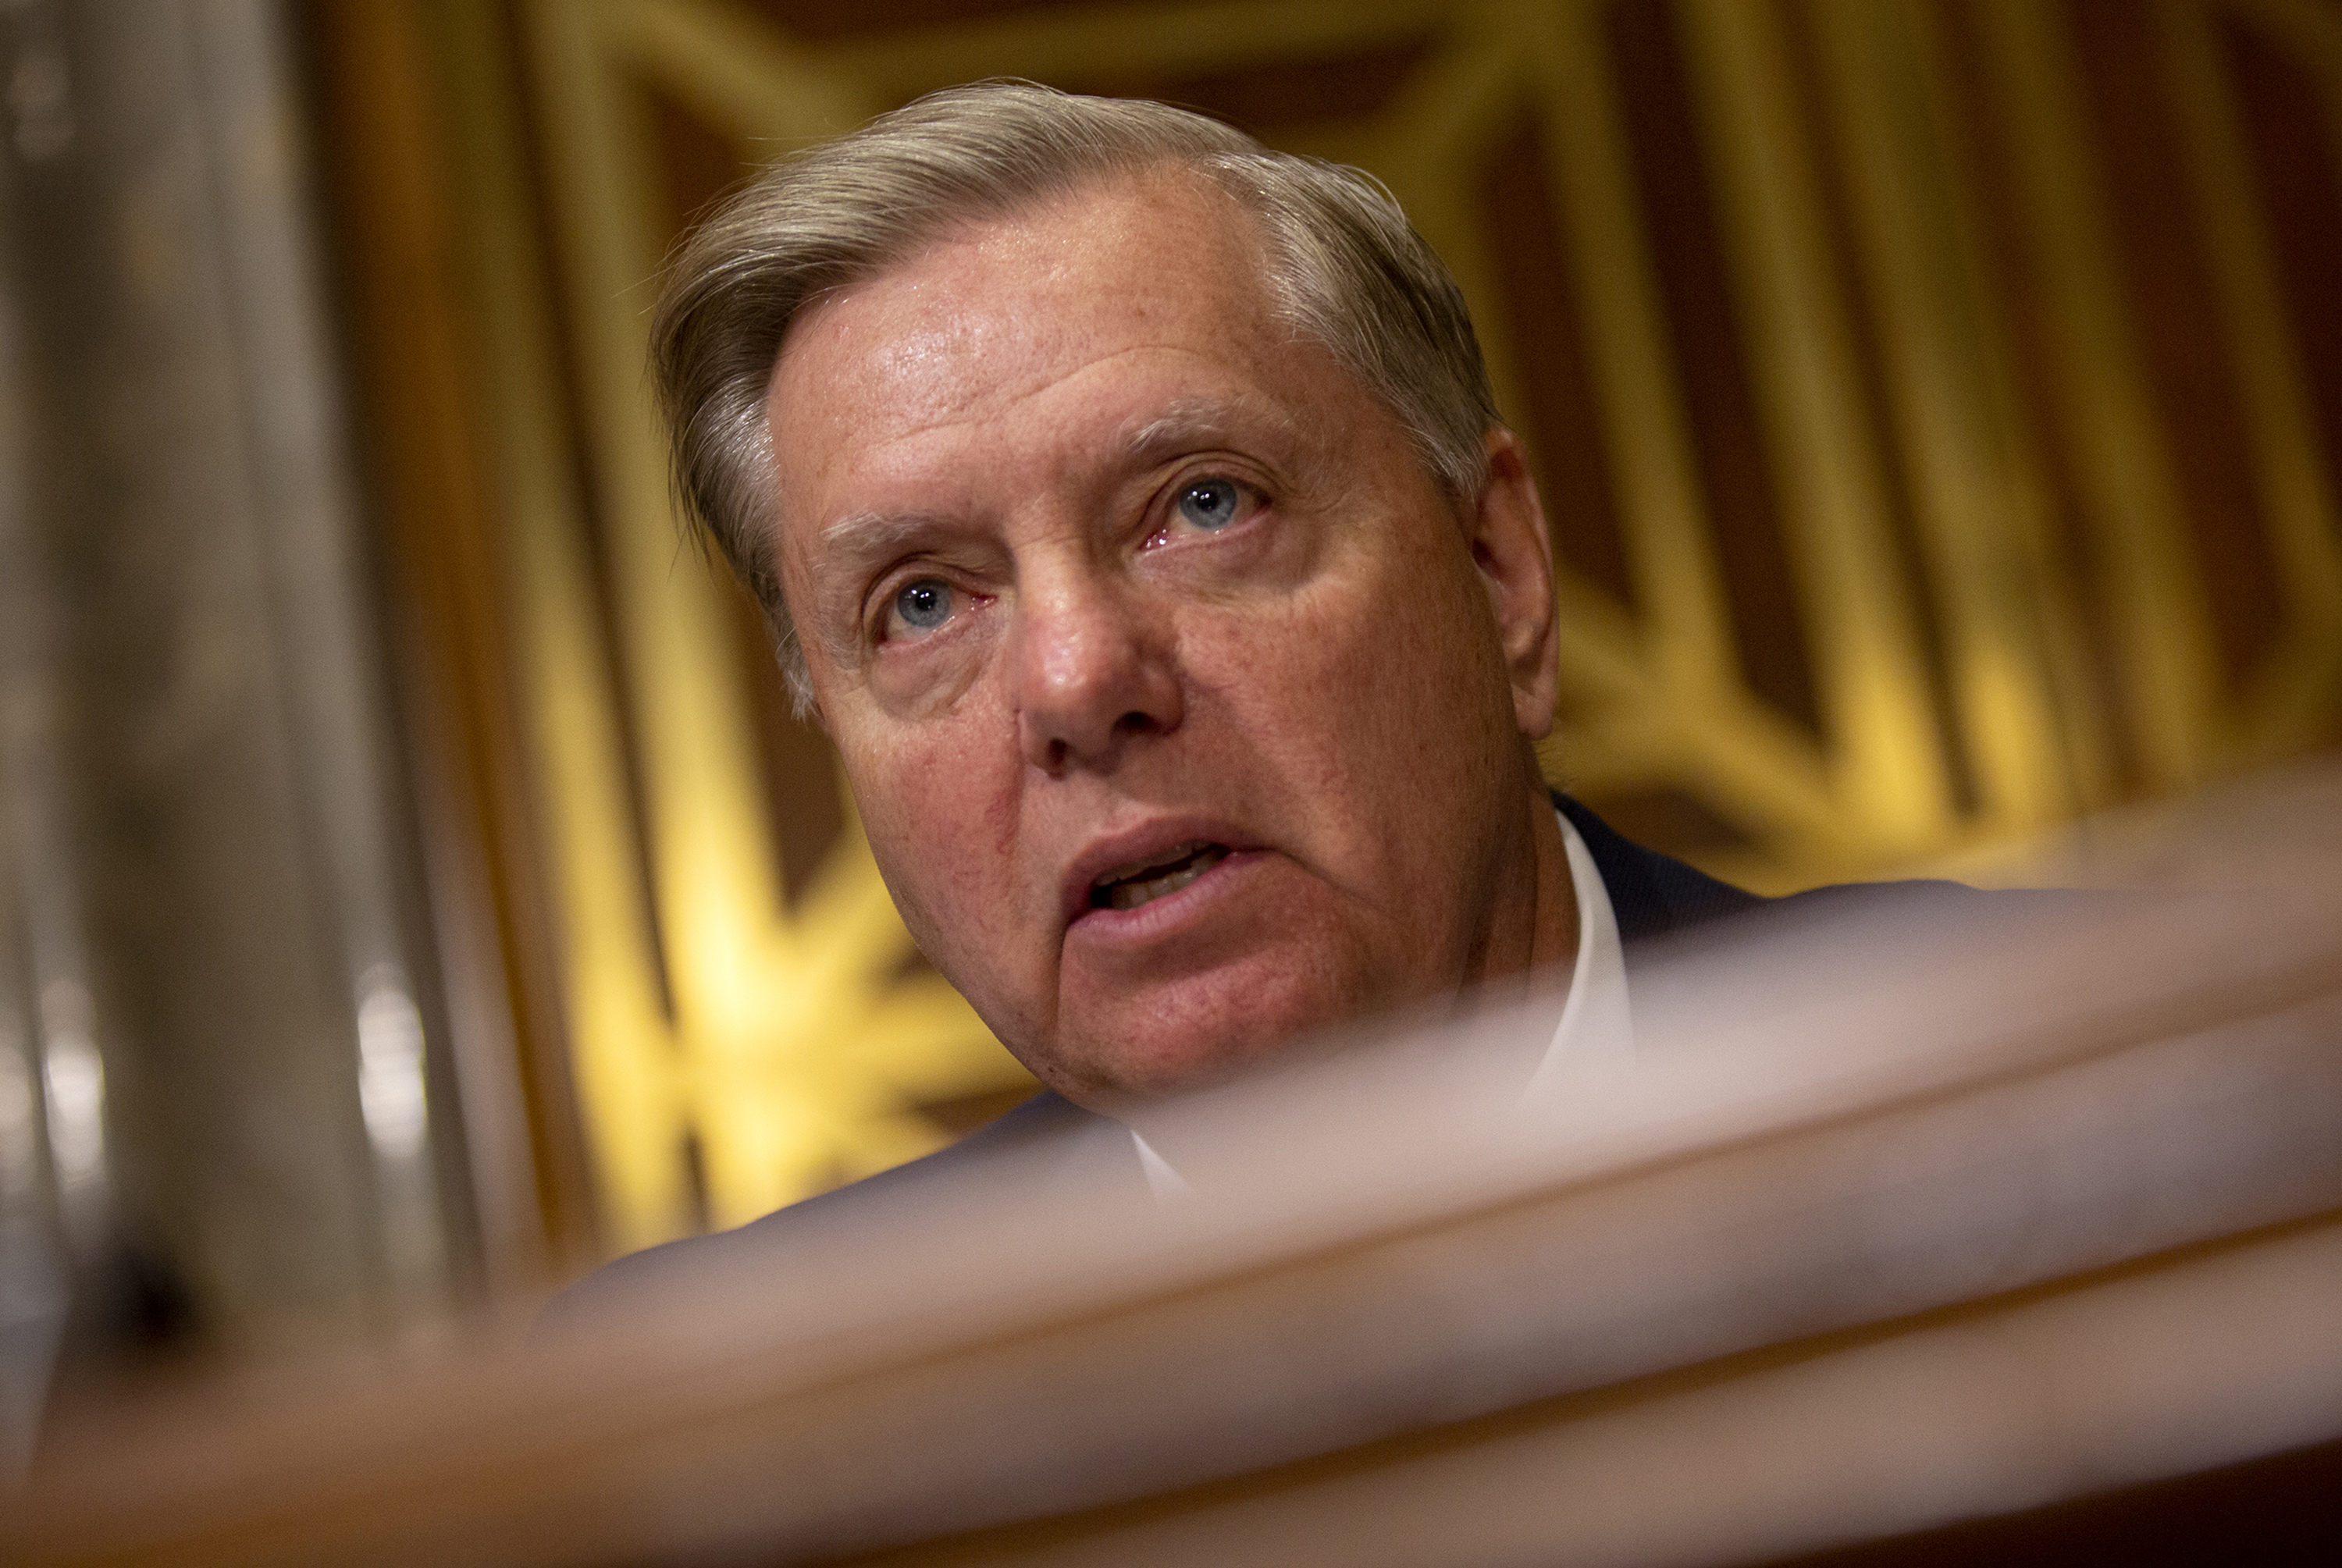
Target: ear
x,y
1515,555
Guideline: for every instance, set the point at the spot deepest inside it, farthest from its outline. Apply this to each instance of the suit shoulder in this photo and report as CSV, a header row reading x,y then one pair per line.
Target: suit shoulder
x,y
1044,1118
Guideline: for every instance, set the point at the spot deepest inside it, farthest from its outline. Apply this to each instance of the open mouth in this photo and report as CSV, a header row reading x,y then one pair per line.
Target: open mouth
x,y
1127,887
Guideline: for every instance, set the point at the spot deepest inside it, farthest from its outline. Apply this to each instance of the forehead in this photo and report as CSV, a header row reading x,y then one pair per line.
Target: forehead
x,y
1108,287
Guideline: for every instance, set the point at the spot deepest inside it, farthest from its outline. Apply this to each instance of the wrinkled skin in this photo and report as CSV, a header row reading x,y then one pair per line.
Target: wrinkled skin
x,y
1095,562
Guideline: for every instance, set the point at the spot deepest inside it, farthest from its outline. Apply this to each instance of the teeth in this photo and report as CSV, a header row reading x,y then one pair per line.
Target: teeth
x,y
1132,891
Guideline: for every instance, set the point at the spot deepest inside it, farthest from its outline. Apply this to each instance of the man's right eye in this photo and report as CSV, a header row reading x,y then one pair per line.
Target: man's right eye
x,y
921,606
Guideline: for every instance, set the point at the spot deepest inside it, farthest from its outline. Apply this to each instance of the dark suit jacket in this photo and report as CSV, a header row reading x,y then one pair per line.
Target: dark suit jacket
x,y
1653,896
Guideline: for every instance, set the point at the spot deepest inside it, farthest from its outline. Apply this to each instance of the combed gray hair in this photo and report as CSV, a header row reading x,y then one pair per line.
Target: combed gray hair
x,y
1347,269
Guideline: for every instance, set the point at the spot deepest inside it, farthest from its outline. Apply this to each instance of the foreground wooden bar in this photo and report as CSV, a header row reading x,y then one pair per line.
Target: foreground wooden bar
x,y
1901,1215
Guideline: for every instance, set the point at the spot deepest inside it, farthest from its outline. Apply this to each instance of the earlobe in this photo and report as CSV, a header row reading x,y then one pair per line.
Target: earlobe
x,y
1515,554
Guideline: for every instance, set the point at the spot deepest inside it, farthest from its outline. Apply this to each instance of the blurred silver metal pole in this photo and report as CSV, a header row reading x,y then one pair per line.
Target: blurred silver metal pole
x,y
304,517
39,924
237,1040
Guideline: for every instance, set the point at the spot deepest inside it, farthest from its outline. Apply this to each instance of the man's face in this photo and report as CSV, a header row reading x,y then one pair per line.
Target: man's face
x,y
1183,710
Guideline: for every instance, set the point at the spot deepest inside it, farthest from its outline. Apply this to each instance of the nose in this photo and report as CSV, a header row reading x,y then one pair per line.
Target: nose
x,y
1093,672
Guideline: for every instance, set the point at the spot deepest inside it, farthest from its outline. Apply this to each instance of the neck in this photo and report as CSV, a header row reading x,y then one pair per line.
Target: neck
x,y
1553,946
1531,945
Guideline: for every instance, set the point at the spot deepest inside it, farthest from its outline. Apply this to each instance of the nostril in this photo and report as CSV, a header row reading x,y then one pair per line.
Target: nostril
x,y
1134,724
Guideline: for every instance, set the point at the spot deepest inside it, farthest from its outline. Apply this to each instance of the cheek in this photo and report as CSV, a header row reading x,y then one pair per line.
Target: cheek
x,y
939,819
1438,657
1395,658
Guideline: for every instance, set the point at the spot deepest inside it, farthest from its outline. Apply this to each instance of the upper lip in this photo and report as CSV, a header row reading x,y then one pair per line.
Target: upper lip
x,y
1136,846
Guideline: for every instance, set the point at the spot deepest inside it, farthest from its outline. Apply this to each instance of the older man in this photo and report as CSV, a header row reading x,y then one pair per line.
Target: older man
x,y
1132,509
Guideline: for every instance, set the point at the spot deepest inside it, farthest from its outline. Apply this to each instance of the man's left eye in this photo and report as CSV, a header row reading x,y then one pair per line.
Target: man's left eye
x,y
1211,505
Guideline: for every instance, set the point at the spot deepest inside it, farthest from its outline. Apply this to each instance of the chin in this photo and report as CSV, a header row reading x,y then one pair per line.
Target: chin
x,y
1201,1032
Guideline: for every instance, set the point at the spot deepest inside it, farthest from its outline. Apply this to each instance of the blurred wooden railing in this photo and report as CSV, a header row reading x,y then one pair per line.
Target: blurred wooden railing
x,y
1906,1211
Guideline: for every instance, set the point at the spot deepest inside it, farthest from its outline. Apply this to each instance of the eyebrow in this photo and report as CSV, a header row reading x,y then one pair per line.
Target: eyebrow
x,y
1202,422
865,534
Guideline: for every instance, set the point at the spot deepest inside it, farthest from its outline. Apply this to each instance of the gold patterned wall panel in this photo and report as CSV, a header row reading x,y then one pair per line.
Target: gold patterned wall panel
x,y
1937,402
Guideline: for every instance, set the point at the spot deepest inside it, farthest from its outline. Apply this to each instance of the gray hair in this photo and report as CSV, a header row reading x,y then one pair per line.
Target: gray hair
x,y
1346,270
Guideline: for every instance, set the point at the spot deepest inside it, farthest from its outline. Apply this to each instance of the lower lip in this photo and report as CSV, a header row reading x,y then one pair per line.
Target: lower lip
x,y
1170,914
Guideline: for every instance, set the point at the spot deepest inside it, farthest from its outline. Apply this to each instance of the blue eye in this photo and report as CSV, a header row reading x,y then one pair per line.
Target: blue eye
x,y
924,604
1210,504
